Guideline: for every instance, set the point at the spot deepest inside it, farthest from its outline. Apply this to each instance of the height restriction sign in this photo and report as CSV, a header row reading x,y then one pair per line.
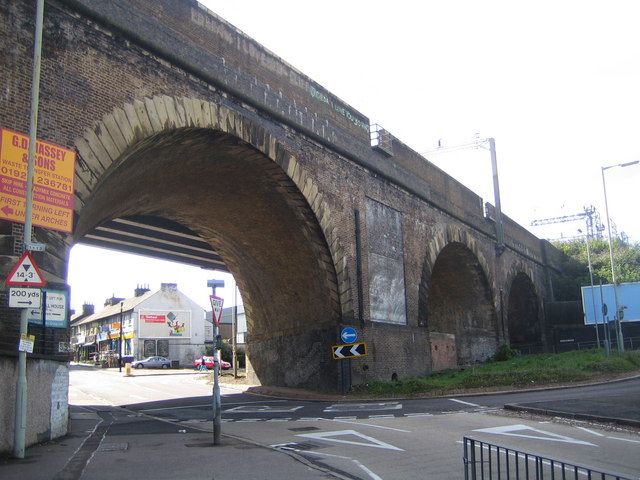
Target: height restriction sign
x,y
52,182
25,273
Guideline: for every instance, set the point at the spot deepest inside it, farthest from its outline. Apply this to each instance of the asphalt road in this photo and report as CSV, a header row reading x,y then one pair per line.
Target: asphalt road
x,y
397,439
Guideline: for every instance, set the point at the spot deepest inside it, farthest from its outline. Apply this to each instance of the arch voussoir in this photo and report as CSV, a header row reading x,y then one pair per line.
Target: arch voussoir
x,y
122,131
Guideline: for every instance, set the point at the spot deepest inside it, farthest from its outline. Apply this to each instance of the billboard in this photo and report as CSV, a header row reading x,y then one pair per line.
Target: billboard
x,y
164,324
53,178
628,299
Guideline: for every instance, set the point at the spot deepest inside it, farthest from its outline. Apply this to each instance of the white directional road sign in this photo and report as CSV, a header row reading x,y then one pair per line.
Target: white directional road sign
x,y
349,351
25,297
56,310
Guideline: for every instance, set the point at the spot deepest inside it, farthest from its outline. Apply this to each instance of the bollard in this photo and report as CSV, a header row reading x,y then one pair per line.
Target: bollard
x,y
127,369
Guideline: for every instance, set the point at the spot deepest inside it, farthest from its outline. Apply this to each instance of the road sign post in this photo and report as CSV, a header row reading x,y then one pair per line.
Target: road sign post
x,y
216,315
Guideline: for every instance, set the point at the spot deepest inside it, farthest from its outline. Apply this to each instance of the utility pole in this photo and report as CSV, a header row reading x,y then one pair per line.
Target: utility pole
x,y
20,420
479,143
217,403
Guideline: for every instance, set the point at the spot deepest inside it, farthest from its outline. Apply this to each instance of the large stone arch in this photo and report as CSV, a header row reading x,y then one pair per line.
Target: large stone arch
x,y
142,140
523,310
456,302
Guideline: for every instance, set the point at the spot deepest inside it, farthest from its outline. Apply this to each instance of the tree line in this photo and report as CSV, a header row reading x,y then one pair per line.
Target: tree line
x,y
576,265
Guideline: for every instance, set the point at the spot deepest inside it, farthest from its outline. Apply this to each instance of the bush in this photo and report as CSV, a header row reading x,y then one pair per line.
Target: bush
x,y
504,352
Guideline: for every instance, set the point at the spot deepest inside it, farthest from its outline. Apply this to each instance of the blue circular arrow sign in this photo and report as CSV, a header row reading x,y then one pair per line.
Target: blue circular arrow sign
x,y
349,335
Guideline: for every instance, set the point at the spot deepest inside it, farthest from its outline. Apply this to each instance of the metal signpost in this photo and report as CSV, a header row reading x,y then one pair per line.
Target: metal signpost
x,y
216,315
25,273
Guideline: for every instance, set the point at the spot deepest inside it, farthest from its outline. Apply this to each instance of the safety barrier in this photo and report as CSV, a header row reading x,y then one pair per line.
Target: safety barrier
x,y
483,460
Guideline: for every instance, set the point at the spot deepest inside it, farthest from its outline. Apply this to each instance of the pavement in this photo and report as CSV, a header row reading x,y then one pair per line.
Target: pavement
x,y
112,442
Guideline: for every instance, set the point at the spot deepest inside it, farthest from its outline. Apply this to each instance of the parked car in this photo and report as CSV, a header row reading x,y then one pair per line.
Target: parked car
x,y
152,362
209,362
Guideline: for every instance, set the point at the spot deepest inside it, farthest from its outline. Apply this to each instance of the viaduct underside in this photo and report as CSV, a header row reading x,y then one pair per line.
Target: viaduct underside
x,y
177,116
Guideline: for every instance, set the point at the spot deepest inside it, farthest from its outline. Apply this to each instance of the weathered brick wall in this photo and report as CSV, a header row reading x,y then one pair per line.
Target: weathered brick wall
x,y
92,66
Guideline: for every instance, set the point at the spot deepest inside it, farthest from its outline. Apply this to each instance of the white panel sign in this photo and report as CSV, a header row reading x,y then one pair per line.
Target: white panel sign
x,y
25,297
164,324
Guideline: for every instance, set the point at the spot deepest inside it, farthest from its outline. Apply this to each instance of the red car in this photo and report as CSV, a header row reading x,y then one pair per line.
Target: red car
x,y
209,362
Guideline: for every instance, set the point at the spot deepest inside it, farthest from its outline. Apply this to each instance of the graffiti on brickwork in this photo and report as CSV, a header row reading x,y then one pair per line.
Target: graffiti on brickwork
x,y
349,116
318,95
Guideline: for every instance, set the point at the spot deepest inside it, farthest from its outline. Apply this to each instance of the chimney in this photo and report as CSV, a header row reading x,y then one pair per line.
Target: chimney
x,y
112,301
169,287
88,309
140,290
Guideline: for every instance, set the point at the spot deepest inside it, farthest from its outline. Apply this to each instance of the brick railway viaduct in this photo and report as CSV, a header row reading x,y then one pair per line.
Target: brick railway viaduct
x,y
179,119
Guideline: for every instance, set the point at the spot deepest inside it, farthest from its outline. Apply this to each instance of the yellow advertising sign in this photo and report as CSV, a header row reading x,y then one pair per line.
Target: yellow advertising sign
x,y
52,182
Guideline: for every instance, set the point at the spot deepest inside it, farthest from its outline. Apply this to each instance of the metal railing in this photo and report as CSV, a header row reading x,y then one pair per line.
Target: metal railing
x,y
483,460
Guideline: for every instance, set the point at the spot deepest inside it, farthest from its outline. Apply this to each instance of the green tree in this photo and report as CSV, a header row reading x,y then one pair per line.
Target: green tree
x,y
576,266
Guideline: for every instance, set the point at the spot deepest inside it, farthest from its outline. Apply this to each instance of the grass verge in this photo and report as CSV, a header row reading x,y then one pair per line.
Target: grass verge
x,y
519,372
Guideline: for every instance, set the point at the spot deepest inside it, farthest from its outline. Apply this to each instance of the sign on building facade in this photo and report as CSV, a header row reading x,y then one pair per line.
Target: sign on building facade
x,y
164,324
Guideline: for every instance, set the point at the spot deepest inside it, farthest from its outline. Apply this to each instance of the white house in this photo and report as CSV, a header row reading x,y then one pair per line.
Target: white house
x,y
165,322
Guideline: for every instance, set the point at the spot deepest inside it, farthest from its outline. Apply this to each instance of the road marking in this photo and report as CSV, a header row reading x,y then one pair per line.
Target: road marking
x,y
382,416
279,420
418,414
350,407
624,439
465,403
343,418
262,409
291,446
250,420
366,424
138,397
597,434
510,430
175,408
372,442
249,403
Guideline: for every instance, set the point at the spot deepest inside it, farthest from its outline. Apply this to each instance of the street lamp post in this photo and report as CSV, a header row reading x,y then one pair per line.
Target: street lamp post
x,y
620,338
120,341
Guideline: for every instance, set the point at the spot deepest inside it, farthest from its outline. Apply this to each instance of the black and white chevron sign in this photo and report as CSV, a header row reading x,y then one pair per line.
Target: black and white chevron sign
x,y
349,351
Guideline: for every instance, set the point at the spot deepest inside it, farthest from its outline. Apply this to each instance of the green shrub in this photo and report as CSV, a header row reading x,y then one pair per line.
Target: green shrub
x,y
504,352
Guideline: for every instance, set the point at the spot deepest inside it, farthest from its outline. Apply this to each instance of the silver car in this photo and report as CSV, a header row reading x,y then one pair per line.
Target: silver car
x,y
152,362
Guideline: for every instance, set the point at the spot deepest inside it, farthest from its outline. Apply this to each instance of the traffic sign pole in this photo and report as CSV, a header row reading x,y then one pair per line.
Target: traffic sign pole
x,y
20,423
217,403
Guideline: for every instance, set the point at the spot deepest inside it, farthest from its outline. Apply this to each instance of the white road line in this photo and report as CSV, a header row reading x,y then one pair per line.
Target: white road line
x,y
309,419
381,416
248,403
465,403
418,414
597,434
342,418
279,420
323,454
175,408
371,474
624,439
250,420
365,424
